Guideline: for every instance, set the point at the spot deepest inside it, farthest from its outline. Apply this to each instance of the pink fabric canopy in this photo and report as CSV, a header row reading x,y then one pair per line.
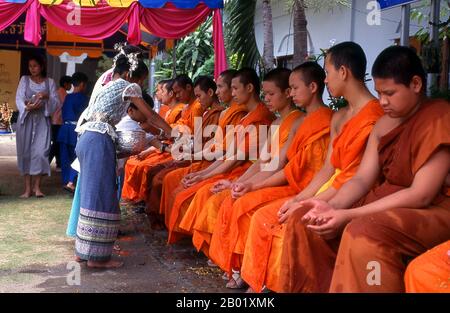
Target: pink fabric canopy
x,y
103,21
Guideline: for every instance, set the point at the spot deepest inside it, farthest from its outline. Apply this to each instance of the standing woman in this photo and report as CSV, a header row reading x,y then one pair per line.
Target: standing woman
x,y
99,218
36,100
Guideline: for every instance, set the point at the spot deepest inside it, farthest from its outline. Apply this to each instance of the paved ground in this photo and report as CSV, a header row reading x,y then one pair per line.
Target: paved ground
x,y
150,265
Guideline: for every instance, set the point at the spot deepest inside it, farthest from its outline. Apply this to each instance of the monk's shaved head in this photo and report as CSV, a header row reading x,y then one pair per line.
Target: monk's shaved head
x,y
227,76
280,77
312,72
399,63
350,55
248,76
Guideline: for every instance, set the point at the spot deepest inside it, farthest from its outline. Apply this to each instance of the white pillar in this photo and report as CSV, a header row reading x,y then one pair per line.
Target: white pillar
x,y
406,13
71,61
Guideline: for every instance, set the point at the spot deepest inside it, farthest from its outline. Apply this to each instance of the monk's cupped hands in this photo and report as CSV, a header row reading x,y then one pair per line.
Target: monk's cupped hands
x,y
190,180
323,219
240,189
221,185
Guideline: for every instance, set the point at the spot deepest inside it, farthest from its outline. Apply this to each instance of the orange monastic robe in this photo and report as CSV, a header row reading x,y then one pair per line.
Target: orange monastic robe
x,y
210,118
396,235
348,150
173,214
265,232
171,182
136,182
430,271
164,110
206,211
306,155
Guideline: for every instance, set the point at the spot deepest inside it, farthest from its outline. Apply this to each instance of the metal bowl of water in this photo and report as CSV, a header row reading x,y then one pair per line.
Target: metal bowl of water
x,y
130,142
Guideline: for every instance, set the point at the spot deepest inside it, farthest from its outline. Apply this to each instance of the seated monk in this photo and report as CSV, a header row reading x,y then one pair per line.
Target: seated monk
x,y
245,90
430,271
163,108
305,157
230,116
204,90
136,170
201,219
394,208
345,65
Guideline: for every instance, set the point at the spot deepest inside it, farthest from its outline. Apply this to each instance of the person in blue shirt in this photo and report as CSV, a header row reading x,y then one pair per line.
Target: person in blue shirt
x,y
74,104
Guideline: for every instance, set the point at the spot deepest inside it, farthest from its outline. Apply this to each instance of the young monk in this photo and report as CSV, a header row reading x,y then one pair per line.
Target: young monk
x,y
230,116
345,65
134,175
406,211
245,90
138,174
430,271
160,89
305,156
277,97
204,90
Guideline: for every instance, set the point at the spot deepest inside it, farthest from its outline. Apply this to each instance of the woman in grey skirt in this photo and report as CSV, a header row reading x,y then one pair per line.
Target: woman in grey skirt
x,y
99,218
36,100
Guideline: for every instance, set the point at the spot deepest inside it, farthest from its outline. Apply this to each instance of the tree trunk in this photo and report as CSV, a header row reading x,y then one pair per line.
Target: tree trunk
x,y
268,56
300,33
445,64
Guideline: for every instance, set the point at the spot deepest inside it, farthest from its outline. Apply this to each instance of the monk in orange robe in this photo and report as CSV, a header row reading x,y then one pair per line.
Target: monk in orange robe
x,y
136,170
230,116
276,89
430,271
364,241
245,86
204,90
350,129
305,157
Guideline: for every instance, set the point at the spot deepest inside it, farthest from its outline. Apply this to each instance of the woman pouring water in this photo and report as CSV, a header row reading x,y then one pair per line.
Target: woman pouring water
x,y
99,218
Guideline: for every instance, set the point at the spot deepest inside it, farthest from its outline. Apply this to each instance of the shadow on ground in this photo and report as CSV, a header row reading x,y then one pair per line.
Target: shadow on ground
x,y
36,256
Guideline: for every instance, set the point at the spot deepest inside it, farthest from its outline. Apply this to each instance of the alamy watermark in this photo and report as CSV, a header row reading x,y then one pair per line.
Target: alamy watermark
x,y
241,143
373,278
374,16
73,278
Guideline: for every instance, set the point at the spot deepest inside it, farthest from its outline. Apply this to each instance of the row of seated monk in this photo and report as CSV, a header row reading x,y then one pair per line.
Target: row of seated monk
x,y
354,197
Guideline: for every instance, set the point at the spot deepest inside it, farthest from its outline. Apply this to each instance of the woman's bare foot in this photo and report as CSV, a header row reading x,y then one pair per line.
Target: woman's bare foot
x,y
25,195
107,264
39,194
70,187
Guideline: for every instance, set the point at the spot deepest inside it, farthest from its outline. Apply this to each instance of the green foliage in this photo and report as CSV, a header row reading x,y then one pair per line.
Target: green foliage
x,y
195,55
240,34
104,64
421,15
438,94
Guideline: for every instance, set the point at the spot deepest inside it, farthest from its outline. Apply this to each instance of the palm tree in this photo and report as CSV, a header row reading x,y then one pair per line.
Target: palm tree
x,y
268,56
240,34
300,32
240,30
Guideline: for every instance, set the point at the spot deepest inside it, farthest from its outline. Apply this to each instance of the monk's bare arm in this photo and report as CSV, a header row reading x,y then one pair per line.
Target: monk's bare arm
x,y
225,167
427,183
361,183
253,170
273,180
211,168
153,118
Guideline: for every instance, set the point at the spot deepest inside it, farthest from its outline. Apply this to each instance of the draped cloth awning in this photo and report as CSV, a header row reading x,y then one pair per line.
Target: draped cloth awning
x,y
99,19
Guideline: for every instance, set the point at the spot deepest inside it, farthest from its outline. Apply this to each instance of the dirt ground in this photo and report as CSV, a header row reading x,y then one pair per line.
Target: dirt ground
x,y
36,255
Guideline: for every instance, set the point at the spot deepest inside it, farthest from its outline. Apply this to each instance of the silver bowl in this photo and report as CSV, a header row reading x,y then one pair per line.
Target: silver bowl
x,y
129,143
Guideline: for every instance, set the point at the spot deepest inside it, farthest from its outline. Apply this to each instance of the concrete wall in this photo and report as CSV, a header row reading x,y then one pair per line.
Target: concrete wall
x,y
334,25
